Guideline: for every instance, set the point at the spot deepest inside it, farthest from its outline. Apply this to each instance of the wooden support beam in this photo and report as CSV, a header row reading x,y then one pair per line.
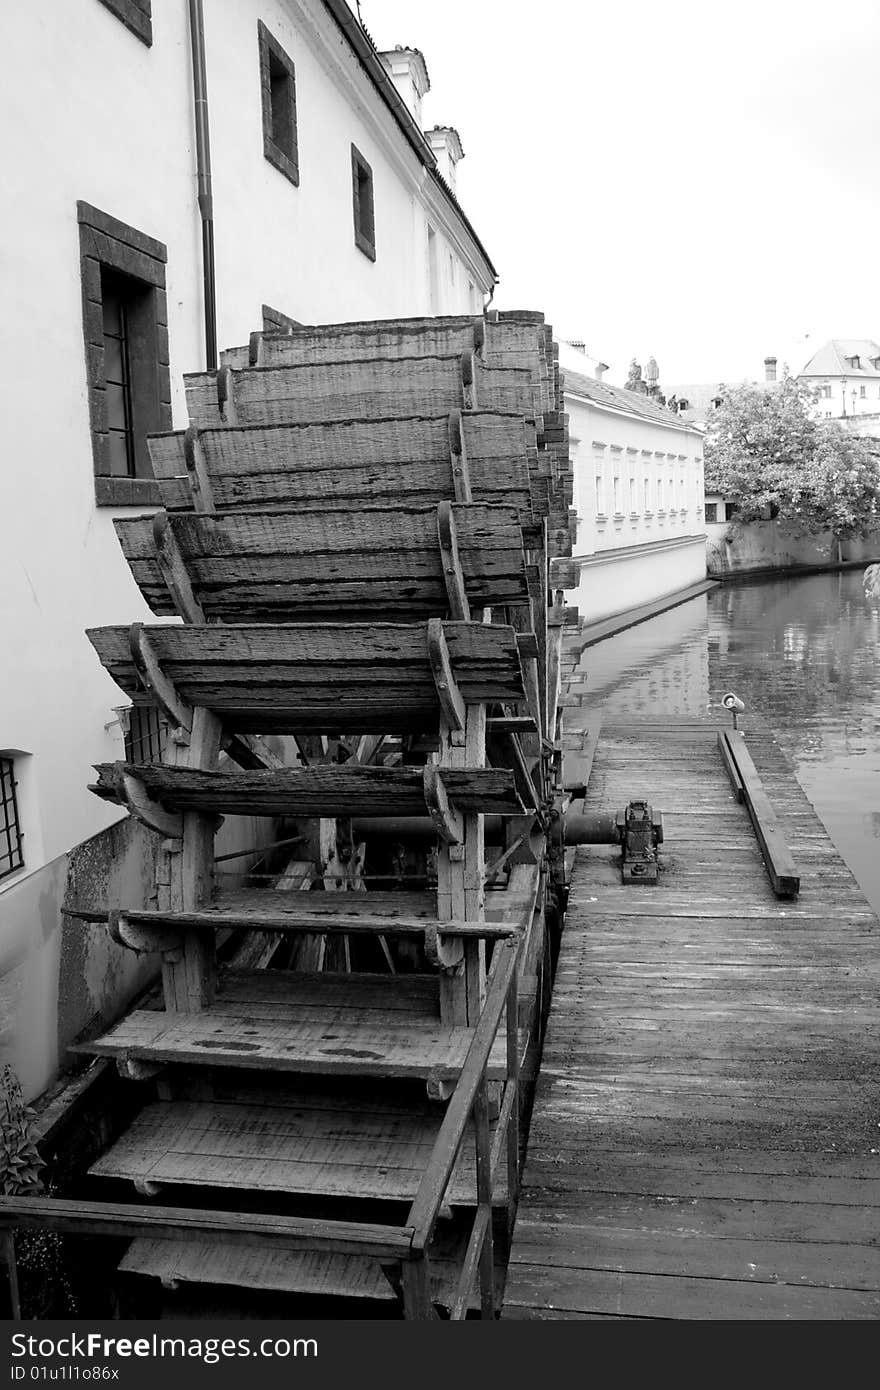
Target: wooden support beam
x,y
197,469
226,396
449,823
564,574
127,1220
148,930
484,1198
524,782
512,724
188,873
468,382
154,680
461,483
527,645
777,856
250,751
152,813
577,766
10,1304
459,608
730,766
145,940
461,872
174,570
450,697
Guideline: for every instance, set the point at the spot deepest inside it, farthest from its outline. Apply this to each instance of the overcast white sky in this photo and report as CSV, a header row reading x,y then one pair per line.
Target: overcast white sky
x,y
691,179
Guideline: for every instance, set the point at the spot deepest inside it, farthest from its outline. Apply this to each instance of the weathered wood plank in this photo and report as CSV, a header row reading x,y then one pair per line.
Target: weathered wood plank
x,y
280,566
378,388
706,1109
346,790
255,1024
777,855
349,1150
325,676
352,463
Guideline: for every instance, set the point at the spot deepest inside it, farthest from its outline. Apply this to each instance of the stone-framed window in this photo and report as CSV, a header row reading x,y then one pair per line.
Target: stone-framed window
x,y
136,15
11,833
125,326
362,199
274,321
278,94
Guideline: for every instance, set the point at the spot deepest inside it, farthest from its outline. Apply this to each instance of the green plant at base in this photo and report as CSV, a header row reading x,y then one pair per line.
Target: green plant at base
x,y
44,1286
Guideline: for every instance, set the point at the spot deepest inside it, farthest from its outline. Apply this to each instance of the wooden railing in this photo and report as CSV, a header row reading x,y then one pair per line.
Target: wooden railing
x,y
471,1097
407,1244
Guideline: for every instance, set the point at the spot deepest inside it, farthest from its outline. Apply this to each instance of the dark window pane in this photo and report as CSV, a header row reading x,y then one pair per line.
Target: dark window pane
x,y
113,367
112,310
116,407
281,95
118,454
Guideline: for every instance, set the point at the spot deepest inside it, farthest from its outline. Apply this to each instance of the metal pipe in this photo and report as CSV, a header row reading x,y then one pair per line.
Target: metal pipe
x,y
258,849
591,828
203,177
412,828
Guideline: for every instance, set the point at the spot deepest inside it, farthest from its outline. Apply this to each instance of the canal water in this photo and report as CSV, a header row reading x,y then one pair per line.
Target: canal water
x,y
804,655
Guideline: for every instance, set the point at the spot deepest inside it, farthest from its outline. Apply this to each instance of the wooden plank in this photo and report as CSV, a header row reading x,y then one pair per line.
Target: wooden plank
x,y
331,790
777,855
257,910
622,1293
318,1273
730,766
260,566
378,388
132,1220
717,1047
302,1146
354,463
300,1030
484,1042
272,678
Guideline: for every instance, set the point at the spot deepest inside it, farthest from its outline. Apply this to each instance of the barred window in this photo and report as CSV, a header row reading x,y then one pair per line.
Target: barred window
x,y
146,735
11,853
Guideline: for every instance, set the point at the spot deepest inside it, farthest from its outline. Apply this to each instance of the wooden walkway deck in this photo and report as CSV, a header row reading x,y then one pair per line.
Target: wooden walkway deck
x,y
705,1141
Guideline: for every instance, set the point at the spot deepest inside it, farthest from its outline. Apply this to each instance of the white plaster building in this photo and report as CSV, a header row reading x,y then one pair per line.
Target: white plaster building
x,y
638,493
845,374
327,202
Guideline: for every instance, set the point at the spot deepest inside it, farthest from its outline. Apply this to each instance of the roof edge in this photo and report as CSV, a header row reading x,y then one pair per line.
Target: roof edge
x,y
368,55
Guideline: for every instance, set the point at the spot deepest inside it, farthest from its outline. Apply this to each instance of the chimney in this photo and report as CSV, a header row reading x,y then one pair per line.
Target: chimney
x,y
446,146
407,70
600,369
769,368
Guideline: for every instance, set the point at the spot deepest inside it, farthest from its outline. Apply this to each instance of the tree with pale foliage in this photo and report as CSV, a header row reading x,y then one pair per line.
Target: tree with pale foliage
x,y
766,452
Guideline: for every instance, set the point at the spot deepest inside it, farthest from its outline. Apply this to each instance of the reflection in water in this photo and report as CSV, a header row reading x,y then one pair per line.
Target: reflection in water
x,y
804,654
